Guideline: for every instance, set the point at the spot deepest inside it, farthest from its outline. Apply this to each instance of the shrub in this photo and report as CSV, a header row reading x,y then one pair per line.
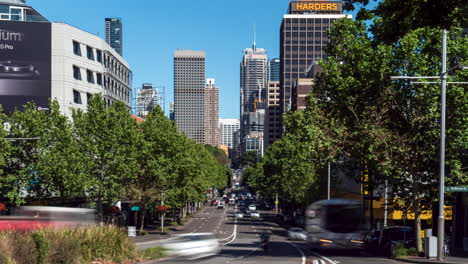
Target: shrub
x,y
42,247
153,253
143,233
400,250
174,224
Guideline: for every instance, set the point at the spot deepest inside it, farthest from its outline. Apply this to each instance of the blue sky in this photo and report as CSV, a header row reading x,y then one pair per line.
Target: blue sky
x,y
153,29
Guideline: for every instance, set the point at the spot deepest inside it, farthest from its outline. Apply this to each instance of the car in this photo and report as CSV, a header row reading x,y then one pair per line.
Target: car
x,y
221,205
239,215
394,235
193,245
254,214
214,202
297,233
252,207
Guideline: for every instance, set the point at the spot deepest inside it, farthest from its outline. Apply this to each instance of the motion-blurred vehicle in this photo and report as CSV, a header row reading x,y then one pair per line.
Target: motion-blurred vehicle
x,y
239,215
252,207
337,224
37,217
254,214
297,233
193,245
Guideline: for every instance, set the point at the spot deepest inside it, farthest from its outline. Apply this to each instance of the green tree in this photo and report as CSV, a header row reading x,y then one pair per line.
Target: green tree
x,y
5,152
108,137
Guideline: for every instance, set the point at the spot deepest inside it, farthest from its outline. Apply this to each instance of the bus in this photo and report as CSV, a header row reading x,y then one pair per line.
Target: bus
x,y
336,224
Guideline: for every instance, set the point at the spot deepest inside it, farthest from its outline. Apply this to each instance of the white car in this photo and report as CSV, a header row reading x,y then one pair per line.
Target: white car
x,y
297,233
254,214
252,207
193,245
239,215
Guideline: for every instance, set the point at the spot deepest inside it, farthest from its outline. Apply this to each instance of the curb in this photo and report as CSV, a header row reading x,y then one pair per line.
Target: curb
x,y
415,260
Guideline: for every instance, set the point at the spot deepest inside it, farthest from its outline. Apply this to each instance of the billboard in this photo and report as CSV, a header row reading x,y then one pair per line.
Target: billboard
x,y
25,64
316,6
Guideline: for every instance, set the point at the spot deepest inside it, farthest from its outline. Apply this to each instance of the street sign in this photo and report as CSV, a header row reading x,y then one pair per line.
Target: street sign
x,y
132,231
456,189
135,208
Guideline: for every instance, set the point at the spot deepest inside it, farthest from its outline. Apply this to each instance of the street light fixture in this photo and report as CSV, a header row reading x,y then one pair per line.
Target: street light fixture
x,y
443,77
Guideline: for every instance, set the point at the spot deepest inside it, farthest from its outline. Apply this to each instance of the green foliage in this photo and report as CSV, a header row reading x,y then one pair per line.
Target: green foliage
x,y
153,253
219,154
42,247
395,18
80,245
400,250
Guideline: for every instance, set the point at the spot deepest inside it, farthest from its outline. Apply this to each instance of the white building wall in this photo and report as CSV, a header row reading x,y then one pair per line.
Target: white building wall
x,y
63,60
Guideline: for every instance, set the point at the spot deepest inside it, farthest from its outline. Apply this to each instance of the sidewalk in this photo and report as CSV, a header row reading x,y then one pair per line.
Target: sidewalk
x,y
447,260
155,236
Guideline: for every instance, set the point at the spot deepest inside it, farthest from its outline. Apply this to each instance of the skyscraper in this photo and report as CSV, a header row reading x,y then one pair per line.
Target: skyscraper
x,y
272,114
212,132
189,86
303,42
147,99
253,82
171,111
228,128
274,72
114,34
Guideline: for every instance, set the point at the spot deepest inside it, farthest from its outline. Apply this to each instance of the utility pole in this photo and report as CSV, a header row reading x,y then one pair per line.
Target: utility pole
x,y
328,182
441,225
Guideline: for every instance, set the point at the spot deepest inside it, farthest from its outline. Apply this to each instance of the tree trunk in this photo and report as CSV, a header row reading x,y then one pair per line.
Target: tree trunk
x,y
417,222
142,227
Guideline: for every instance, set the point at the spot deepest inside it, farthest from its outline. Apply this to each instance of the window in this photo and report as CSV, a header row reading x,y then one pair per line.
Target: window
x,y
76,97
76,73
90,76
76,48
88,97
99,56
99,78
90,53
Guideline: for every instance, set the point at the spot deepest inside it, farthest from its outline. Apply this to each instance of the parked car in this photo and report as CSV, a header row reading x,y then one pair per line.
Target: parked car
x,y
193,246
252,207
221,205
214,202
392,236
254,214
297,233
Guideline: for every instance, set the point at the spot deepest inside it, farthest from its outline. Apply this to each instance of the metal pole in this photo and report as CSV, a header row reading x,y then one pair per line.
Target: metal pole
x,y
276,204
385,205
328,187
440,241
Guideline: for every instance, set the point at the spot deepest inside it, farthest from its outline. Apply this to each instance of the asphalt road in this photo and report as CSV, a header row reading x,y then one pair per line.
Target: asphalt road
x,y
240,242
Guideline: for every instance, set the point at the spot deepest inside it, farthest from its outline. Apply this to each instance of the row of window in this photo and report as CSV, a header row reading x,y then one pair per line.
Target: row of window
x,y
89,75
109,61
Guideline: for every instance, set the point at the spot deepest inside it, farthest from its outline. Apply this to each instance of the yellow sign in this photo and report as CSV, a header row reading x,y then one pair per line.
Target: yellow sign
x,y
316,6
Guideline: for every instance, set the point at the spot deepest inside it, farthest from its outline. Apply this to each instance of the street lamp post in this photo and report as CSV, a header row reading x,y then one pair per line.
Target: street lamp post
x,y
328,182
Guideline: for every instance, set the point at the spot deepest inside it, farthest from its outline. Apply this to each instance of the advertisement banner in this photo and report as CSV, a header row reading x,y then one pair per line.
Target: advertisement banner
x,y
25,64
316,7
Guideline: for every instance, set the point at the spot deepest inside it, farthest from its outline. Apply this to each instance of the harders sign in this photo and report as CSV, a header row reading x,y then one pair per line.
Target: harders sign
x,y
315,6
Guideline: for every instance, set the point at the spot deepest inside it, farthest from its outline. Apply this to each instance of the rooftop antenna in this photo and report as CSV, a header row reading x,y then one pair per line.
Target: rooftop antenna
x,y
255,39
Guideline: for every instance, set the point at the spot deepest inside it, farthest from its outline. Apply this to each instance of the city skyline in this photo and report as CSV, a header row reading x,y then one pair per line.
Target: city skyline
x,y
149,43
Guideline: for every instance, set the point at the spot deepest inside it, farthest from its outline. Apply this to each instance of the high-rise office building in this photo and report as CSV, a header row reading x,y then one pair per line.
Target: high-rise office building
x,y
253,82
114,34
274,72
228,128
147,99
272,114
303,42
189,89
212,133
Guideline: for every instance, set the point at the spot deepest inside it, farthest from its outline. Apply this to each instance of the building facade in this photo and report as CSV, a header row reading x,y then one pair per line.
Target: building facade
x,y
147,99
228,128
114,34
72,66
272,114
171,111
212,133
303,42
192,96
274,72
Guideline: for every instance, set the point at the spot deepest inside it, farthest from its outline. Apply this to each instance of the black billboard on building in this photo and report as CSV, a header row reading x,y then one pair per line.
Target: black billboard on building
x,y
25,64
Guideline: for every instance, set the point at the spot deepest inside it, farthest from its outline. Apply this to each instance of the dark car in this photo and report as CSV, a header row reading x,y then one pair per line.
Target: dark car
x,y
392,236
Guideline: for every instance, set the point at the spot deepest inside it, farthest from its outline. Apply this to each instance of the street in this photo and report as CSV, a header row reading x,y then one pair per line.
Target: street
x,y
240,242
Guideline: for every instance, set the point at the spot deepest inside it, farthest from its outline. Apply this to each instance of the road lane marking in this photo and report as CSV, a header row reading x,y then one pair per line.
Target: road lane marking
x,y
325,258
303,258
234,234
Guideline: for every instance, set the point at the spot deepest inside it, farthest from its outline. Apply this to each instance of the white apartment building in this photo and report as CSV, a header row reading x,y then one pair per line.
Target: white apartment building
x,y
228,128
83,64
